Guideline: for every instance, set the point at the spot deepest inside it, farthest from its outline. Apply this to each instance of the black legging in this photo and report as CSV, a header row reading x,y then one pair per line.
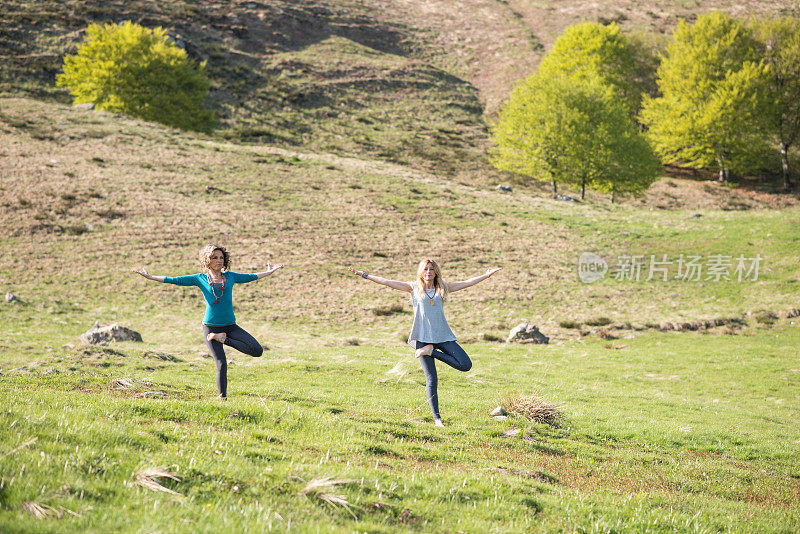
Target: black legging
x,y
237,338
450,353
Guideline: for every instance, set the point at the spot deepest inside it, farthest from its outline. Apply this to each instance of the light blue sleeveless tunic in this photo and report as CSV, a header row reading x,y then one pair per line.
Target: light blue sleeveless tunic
x,y
429,326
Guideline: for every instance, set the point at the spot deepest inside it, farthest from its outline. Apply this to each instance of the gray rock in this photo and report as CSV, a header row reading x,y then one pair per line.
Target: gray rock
x,y
503,188
102,334
527,333
87,105
10,297
498,411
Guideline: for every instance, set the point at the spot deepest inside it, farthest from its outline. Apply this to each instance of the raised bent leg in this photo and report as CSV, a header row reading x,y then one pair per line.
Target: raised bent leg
x,y
241,340
453,355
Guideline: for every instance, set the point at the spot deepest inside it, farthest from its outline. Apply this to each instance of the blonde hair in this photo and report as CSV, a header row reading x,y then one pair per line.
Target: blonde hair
x,y
208,250
438,282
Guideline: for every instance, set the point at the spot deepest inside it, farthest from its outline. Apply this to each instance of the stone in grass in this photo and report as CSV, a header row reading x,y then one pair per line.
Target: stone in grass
x,y
10,297
527,333
100,334
498,411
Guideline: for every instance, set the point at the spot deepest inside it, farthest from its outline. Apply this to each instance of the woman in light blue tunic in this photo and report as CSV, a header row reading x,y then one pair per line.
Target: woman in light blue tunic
x,y
431,336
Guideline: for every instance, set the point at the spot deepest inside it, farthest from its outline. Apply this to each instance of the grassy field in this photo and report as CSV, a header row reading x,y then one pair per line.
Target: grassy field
x,y
667,432
329,430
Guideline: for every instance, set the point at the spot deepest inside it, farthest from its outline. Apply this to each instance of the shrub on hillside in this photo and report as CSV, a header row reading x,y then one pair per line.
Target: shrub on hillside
x,y
137,71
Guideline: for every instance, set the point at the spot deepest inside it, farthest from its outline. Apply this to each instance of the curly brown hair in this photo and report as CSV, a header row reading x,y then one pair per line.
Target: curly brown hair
x,y
208,250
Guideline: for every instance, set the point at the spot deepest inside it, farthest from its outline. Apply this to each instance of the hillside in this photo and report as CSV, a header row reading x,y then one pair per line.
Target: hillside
x,y
86,196
403,81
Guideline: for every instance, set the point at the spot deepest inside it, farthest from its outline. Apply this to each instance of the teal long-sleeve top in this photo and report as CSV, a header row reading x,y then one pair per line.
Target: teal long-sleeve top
x,y
218,313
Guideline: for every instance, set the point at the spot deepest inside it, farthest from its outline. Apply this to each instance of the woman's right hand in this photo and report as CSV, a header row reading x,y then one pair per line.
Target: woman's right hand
x,y
142,272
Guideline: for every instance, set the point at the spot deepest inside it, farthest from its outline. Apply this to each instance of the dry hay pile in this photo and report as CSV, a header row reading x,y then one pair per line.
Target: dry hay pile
x,y
534,408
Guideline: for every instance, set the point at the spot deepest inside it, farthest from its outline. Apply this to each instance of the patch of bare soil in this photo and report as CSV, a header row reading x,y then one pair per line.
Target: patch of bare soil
x,y
670,193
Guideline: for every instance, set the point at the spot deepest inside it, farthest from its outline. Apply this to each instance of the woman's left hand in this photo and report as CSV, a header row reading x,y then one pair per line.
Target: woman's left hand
x,y
272,268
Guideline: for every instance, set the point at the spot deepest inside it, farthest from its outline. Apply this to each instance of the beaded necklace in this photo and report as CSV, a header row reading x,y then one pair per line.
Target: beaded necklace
x,y
429,295
211,284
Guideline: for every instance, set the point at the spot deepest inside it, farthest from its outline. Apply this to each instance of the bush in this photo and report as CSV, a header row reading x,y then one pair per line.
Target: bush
x,y
598,321
137,71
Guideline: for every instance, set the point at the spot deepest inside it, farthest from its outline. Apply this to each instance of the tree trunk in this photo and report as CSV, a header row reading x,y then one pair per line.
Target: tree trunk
x,y
787,176
723,169
555,188
583,189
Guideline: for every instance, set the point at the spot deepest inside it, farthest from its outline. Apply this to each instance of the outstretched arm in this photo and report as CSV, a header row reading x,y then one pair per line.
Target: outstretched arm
x,y
270,269
394,284
144,273
456,286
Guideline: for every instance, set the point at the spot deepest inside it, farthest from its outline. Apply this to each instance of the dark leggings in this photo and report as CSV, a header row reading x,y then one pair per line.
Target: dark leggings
x,y
237,338
450,353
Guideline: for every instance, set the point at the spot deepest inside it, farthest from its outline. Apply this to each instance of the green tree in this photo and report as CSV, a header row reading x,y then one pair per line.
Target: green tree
x,y
780,47
589,51
137,71
713,87
556,129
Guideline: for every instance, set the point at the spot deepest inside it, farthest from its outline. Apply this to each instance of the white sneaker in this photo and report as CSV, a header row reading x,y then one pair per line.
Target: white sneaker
x,y
438,422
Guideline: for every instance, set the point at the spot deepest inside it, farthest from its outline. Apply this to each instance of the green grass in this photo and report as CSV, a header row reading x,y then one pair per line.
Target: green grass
x,y
670,432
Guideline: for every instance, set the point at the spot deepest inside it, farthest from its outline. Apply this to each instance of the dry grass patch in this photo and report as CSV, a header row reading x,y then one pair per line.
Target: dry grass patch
x,y
534,408
388,310
148,479
43,511
318,488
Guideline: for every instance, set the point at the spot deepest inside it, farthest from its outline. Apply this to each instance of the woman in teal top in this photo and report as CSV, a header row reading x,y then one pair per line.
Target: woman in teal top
x,y
219,322
430,334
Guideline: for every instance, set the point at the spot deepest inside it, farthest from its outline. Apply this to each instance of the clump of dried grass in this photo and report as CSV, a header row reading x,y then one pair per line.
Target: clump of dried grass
x,y
139,388
603,333
43,511
319,487
40,511
149,479
128,383
393,309
533,408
